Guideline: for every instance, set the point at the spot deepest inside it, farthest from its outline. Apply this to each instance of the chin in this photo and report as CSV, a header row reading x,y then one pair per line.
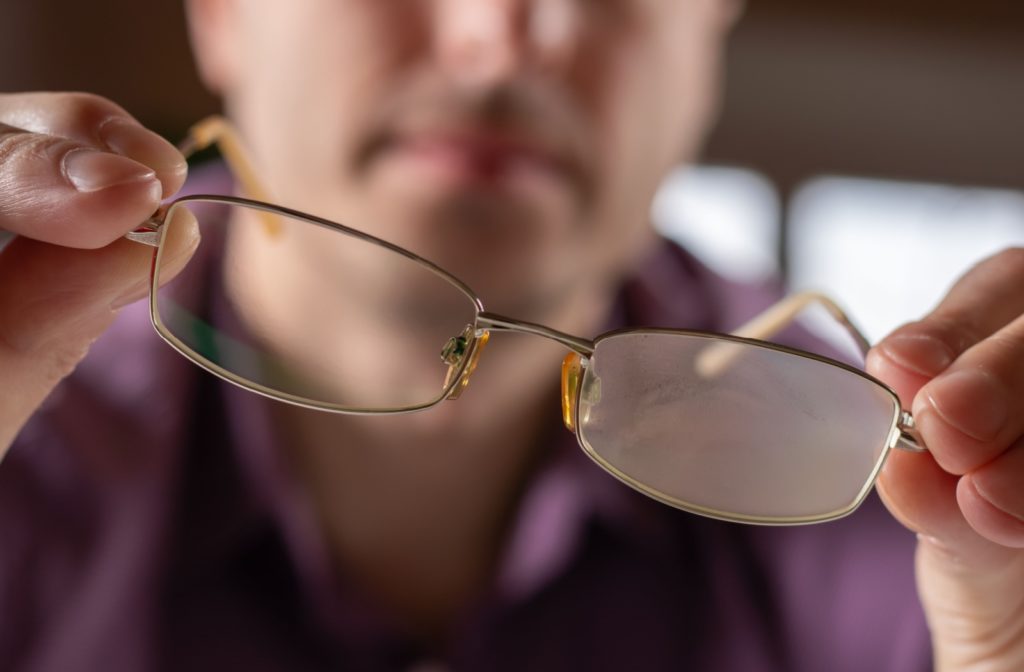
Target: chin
x,y
470,232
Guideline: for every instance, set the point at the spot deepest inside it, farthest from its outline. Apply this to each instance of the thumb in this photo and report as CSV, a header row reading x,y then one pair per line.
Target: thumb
x,y
55,301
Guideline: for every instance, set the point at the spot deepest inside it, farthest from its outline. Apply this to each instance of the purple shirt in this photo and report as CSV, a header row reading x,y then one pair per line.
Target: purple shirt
x,y
147,522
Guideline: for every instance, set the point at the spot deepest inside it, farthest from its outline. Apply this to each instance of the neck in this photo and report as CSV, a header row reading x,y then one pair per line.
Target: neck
x,y
415,507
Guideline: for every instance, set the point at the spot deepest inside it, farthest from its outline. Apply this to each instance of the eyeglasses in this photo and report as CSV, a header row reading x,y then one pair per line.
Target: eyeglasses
x,y
725,426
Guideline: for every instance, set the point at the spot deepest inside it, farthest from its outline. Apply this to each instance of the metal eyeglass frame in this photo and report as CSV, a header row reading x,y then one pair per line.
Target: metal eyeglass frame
x,y
463,351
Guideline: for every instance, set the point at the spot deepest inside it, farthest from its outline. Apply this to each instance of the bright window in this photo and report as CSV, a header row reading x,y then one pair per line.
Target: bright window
x,y
728,217
888,251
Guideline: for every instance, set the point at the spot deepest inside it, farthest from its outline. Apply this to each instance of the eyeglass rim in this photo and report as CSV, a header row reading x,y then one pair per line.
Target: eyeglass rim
x,y
482,320
892,437
490,320
212,367
216,130
480,316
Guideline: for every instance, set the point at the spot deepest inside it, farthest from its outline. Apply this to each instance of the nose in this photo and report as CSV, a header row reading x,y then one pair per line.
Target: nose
x,y
482,42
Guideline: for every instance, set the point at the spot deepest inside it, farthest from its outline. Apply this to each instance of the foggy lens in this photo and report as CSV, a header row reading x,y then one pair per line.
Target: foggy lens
x,y
733,429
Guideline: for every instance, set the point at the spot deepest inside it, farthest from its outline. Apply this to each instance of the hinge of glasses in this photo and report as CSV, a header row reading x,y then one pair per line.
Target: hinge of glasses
x,y
909,438
148,233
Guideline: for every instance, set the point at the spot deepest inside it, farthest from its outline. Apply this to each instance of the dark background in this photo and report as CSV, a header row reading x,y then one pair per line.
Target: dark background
x,y
905,89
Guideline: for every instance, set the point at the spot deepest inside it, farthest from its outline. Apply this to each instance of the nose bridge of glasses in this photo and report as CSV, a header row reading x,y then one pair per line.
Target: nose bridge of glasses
x,y
495,322
573,366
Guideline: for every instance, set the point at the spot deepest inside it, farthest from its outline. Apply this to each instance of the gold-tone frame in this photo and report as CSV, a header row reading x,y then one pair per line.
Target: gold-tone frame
x,y
895,437
902,432
156,225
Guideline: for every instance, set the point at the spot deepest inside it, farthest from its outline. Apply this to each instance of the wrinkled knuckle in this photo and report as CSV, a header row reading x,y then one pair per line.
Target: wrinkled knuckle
x,y
42,148
24,157
11,140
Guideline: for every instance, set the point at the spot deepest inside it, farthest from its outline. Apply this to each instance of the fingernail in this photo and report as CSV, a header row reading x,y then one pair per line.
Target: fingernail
x,y
970,400
89,170
919,353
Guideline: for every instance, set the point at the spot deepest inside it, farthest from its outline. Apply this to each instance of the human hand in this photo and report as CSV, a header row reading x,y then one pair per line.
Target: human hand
x,y
76,174
962,366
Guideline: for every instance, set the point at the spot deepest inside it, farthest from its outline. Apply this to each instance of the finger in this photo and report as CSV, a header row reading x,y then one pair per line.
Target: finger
x,y
55,301
983,301
62,192
925,499
971,417
974,411
921,491
992,498
96,122
922,496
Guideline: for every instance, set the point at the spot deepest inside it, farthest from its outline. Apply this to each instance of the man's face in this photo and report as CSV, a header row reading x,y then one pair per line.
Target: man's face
x,y
517,143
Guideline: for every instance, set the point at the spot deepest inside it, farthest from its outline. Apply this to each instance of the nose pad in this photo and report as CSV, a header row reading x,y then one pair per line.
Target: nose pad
x,y
465,347
572,370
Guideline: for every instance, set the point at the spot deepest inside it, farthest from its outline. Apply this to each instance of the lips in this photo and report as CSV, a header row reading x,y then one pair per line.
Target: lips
x,y
480,155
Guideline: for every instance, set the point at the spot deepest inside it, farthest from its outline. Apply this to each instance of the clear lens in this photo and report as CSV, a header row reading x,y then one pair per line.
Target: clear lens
x,y
732,429
310,313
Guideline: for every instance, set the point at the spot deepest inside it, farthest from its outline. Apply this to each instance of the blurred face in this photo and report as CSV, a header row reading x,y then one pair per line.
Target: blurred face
x,y
517,143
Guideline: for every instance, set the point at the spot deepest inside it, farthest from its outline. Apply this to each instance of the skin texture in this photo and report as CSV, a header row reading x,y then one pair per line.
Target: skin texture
x,y
503,139
76,173
961,370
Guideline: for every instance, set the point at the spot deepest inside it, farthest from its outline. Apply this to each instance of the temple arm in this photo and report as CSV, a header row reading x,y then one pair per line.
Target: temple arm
x,y
218,131
214,131
779,316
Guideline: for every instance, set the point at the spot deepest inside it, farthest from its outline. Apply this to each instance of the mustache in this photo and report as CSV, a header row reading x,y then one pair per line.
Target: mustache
x,y
533,111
